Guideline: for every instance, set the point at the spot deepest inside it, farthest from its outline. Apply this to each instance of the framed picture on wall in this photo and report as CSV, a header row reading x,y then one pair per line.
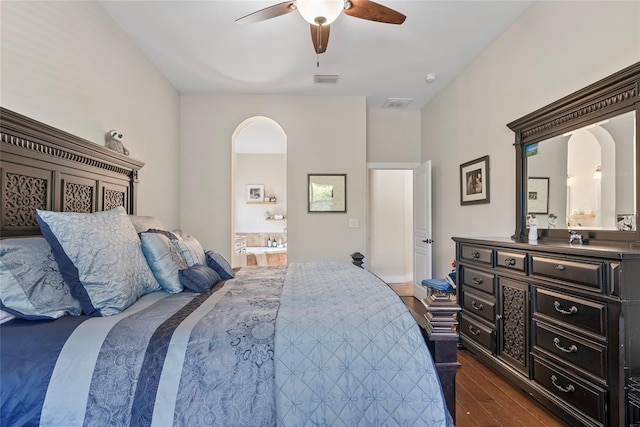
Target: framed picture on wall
x,y
537,195
474,181
255,193
327,193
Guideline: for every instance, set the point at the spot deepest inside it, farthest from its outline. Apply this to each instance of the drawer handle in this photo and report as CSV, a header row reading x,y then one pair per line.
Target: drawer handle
x,y
475,255
569,389
477,281
558,307
572,349
477,307
509,262
560,267
476,332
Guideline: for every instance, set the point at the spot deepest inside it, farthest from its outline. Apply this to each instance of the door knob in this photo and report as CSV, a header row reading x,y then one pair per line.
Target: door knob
x,y
428,241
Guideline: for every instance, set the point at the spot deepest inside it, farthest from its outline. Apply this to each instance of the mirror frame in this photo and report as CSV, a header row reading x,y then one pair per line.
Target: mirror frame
x,y
611,96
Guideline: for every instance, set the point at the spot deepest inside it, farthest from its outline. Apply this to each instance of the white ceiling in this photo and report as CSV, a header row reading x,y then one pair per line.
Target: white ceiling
x,y
198,46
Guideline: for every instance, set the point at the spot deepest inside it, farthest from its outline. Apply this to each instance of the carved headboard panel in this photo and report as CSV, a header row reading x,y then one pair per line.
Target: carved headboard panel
x,y
42,167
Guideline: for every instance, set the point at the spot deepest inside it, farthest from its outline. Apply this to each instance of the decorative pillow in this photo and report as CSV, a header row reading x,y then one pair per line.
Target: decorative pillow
x,y
220,264
199,278
100,257
164,259
32,287
191,250
5,316
143,223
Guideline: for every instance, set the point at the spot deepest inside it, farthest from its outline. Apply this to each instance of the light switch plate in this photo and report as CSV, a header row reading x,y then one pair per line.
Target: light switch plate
x,y
353,223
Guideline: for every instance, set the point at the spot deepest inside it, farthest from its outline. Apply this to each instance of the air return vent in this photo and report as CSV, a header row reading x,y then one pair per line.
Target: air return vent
x,y
326,78
397,102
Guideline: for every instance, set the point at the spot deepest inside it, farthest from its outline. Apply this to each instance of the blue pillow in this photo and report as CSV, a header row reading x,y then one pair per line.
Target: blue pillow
x,y
100,258
32,286
199,278
164,260
190,249
219,263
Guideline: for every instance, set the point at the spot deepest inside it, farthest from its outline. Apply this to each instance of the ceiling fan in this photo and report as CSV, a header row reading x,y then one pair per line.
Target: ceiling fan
x,y
321,13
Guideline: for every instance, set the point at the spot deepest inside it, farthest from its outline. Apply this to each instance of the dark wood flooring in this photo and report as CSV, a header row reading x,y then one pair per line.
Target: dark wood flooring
x,y
486,399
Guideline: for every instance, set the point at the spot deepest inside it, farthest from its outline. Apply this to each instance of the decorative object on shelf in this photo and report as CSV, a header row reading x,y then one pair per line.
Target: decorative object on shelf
x,y
255,193
551,219
538,195
113,141
357,258
533,228
327,193
273,199
474,181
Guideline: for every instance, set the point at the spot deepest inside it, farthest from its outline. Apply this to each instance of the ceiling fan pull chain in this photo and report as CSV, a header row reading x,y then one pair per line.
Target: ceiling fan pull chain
x,y
319,31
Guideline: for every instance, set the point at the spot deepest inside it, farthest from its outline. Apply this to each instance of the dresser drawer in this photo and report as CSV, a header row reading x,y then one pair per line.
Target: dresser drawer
x,y
568,347
480,306
587,397
476,254
478,332
511,260
478,279
581,273
577,312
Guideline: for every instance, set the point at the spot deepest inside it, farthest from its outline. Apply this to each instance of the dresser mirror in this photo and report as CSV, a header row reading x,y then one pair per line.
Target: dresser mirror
x,y
576,163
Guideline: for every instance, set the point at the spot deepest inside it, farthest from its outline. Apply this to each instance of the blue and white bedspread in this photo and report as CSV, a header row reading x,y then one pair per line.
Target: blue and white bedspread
x,y
349,354
323,346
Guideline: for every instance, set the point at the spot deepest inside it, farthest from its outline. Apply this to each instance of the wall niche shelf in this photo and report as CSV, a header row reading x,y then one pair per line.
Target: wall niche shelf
x,y
262,203
273,219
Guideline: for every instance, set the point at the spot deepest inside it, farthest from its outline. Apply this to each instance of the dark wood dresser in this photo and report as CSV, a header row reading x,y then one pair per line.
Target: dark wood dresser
x,y
560,321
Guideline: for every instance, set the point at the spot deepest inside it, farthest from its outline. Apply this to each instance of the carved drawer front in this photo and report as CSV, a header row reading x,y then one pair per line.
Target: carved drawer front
x,y
581,273
571,348
478,332
580,313
585,396
481,307
511,260
476,254
478,279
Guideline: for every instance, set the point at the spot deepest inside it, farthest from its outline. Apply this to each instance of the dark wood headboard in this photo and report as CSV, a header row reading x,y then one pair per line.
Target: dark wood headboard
x,y
42,167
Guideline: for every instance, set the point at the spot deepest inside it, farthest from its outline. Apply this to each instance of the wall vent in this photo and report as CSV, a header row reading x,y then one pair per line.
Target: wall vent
x,y
326,78
397,102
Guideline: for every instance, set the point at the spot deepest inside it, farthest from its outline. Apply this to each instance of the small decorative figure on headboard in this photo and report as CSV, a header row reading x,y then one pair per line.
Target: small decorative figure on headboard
x,y
573,236
113,141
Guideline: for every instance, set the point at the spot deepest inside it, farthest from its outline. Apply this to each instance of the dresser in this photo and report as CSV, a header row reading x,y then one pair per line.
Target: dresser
x,y
560,321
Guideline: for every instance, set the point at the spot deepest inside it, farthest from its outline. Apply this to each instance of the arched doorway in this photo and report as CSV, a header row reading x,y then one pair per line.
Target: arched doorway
x,y
259,193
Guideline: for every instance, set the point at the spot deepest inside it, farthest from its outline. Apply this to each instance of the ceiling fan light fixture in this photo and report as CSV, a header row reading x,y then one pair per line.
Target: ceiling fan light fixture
x,y
320,12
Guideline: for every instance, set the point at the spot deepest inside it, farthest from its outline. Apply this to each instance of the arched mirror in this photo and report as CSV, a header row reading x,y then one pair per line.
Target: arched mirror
x,y
577,161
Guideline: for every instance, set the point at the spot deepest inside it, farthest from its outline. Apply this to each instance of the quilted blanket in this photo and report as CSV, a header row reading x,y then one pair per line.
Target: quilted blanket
x,y
349,354
317,344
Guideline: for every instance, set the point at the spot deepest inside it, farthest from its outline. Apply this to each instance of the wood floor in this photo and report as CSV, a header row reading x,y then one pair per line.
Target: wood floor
x,y
486,399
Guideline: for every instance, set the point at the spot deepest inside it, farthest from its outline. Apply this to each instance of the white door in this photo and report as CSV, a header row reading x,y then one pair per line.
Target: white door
x,y
421,228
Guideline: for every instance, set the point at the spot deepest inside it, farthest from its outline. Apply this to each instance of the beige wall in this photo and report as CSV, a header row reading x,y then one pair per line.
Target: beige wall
x,y
67,64
393,136
324,135
554,49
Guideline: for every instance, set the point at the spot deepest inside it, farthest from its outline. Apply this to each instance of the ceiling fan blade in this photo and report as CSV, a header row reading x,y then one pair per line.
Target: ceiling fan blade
x,y
365,9
268,13
320,37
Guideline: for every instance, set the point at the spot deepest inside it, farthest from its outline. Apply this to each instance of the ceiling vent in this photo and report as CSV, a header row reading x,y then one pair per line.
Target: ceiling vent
x,y
397,102
326,78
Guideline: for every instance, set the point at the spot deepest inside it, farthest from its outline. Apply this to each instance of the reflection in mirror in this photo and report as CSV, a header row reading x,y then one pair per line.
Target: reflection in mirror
x,y
585,178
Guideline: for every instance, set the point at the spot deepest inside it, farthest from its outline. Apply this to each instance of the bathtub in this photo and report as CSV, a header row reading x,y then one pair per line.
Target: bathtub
x,y
263,255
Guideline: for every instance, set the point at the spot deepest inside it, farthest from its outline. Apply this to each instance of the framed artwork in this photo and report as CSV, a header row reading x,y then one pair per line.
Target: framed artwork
x,y
474,181
255,193
537,195
327,193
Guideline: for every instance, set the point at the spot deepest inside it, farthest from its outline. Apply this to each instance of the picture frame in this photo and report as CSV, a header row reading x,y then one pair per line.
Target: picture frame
x,y
474,181
538,195
255,193
327,193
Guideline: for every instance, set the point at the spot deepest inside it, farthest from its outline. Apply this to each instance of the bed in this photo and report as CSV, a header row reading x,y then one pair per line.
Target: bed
x,y
116,343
